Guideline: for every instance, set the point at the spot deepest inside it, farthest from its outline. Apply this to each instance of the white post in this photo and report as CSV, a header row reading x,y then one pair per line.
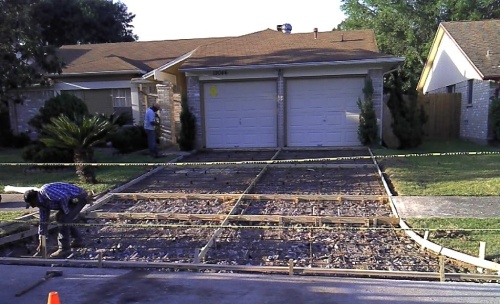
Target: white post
x,y
482,254
426,237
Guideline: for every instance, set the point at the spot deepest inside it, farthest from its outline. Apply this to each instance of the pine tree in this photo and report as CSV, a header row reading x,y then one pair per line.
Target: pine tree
x,y
408,117
188,127
368,127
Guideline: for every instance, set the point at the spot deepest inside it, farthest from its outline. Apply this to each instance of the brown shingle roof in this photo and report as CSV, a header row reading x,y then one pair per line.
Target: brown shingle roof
x,y
270,47
266,47
476,38
126,56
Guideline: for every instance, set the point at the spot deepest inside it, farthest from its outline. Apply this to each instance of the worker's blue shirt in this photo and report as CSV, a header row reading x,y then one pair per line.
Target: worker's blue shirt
x,y
149,119
55,196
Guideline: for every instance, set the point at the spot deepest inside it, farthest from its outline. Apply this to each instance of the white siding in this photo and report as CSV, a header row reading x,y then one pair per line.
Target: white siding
x,y
450,66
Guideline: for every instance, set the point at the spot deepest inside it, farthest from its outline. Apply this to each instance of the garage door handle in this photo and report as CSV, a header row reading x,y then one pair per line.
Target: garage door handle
x,y
240,121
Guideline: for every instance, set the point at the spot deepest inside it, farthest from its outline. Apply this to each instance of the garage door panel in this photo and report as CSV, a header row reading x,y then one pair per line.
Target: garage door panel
x,y
240,114
323,112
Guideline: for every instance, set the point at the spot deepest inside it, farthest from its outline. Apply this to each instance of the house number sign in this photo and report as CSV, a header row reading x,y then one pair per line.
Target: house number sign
x,y
219,72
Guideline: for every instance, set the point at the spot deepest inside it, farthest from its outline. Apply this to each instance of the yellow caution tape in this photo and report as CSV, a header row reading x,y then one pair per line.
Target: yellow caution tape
x,y
258,162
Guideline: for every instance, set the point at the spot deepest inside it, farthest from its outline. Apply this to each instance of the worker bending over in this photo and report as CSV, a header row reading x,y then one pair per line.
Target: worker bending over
x,y
68,200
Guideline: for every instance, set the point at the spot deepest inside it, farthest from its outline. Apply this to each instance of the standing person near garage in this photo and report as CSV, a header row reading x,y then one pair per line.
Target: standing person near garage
x,y
149,126
68,200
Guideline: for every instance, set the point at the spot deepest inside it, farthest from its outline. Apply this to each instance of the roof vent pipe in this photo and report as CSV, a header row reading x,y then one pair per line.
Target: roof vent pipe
x,y
315,33
287,28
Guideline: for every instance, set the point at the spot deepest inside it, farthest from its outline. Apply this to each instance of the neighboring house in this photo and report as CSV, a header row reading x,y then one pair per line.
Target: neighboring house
x,y
265,89
465,58
109,78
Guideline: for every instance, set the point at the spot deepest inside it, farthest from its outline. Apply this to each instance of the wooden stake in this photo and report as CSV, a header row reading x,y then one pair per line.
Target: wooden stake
x,y
441,268
99,261
196,255
43,241
290,267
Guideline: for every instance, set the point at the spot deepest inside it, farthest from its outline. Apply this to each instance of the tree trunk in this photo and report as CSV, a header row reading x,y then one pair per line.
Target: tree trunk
x,y
85,173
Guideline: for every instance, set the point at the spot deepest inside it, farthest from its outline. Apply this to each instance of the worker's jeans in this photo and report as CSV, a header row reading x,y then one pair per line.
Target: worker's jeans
x,y
63,240
151,134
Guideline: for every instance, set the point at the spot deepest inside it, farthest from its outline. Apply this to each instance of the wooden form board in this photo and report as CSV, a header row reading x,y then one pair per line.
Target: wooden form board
x,y
317,220
245,268
249,196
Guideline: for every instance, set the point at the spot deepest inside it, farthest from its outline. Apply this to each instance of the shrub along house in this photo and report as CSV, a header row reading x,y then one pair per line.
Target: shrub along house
x,y
266,89
465,58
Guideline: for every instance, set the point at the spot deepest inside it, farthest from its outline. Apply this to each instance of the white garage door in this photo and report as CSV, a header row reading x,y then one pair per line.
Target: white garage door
x,y
240,114
323,112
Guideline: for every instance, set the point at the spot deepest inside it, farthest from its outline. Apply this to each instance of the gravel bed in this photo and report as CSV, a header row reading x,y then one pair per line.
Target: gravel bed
x,y
326,208
343,248
228,156
143,243
337,247
198,180
183,206
311,154
347,181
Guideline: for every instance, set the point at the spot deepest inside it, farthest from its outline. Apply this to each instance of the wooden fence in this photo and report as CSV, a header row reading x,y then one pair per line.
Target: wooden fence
x,y
443,112
443,118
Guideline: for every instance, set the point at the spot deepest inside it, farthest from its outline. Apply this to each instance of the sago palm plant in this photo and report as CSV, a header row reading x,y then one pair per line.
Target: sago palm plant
x,y
79,134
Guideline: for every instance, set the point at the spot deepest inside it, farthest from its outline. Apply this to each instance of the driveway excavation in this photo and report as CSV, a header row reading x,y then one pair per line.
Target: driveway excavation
x,y
258,208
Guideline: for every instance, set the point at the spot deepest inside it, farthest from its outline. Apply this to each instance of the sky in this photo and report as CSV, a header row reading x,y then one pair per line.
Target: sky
x,y
170,19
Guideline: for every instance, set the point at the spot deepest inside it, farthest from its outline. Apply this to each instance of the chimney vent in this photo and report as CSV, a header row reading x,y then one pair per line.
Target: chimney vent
x,y
315,33
279,27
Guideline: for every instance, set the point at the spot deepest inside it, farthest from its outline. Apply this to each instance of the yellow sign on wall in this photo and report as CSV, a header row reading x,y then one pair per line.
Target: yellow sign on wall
x,y
213,91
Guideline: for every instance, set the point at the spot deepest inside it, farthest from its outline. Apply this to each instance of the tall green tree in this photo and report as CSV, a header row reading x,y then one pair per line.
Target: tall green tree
x,y
83,21
31,30
406,28
24,56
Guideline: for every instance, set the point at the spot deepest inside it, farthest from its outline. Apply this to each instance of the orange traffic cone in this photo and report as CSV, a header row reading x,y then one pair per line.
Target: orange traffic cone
x,y
53,298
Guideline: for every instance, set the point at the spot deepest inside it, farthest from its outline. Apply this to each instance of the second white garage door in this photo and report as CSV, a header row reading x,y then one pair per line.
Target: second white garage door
x,y
240,114
323,112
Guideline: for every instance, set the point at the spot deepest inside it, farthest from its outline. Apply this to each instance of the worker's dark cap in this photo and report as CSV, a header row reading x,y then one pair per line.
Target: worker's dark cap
x,y
30,198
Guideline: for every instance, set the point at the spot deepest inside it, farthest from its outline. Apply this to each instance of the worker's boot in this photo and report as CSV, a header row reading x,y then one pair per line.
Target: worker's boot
x,y
60,253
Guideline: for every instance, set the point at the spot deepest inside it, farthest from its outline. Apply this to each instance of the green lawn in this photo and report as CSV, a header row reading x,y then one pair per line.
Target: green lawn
x,y
463,175
462,234
108,176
